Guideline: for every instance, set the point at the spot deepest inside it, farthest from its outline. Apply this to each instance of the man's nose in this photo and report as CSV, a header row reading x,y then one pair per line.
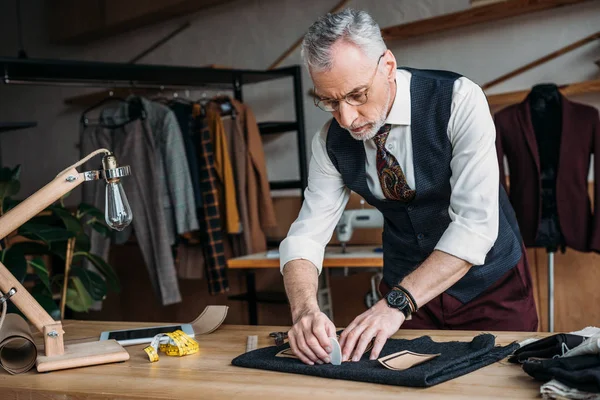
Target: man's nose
x,y
348,114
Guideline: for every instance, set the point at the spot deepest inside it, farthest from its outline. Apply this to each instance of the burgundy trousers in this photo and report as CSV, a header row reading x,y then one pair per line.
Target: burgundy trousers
x,y
507,305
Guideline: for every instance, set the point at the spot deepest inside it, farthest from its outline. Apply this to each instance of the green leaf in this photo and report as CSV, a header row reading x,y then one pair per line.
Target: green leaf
x,y
31,248
88,209
93,282
102,228
42,272
45,233
16,172
15,261
78,298
9,188
47,304
72,224
104,268
7,174
82,242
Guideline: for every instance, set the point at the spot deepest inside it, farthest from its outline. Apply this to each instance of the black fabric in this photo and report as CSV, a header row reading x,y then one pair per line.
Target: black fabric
x,y
548,347
546,117
413,229
456,359
579,372
183,113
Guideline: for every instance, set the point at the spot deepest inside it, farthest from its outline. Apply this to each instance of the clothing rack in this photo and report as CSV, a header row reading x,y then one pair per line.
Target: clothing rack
x,y
140,76
106,74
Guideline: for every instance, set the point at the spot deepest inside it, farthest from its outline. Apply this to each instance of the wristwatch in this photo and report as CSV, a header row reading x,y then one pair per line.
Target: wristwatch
x,y
396,298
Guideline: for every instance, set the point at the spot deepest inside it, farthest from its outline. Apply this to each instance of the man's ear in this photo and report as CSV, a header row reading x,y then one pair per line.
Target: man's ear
x,y
390,65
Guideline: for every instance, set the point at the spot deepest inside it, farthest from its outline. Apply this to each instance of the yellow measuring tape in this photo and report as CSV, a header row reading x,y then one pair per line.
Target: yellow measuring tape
x,y
177,344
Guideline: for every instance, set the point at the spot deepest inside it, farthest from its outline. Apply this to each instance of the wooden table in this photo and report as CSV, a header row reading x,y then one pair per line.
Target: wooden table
x,y
210,375
354,257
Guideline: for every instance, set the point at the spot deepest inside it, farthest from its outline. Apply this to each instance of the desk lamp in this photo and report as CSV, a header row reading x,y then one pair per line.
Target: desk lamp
x,y
117,214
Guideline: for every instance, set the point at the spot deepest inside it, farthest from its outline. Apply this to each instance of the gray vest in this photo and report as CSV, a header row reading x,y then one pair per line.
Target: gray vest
x,y
412,230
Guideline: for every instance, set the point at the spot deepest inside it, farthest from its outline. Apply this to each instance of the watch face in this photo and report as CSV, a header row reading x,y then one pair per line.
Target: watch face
x,y
397,298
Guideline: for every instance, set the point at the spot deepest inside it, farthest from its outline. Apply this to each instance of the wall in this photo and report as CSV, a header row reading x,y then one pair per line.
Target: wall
x,y
251,34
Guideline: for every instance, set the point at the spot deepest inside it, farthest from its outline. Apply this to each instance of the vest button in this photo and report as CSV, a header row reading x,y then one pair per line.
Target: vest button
x,y
410,208
420,236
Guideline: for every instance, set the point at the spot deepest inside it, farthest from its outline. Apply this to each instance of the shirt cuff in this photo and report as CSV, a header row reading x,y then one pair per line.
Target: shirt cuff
x,y
464,243
303,248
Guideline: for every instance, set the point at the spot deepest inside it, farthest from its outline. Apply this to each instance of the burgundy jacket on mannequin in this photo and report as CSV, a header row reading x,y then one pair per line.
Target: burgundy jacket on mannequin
x,y
580,137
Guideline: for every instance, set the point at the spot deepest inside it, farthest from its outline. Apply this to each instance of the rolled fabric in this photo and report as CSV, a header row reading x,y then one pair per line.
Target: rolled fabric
x,y
18,352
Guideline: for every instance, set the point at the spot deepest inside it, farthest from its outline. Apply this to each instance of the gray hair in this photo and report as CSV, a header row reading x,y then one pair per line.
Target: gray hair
x,y
356,27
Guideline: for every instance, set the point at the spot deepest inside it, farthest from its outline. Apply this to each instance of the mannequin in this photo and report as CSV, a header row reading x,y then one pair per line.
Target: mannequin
x,y
546,117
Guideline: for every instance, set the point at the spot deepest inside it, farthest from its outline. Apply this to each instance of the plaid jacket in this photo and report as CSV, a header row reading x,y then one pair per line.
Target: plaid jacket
x,y
209,217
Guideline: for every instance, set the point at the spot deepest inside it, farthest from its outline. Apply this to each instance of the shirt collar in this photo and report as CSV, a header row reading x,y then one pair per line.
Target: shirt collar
x,y
400,112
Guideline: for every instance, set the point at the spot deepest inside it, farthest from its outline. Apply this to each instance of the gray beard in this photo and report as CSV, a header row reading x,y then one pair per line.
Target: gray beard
x,y
370,134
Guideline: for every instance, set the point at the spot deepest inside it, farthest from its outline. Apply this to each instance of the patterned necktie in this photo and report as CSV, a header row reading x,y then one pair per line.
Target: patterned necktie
x,y
392,179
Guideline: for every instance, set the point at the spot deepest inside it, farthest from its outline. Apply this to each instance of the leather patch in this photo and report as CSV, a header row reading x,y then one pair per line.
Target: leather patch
x,y
404,360
288,353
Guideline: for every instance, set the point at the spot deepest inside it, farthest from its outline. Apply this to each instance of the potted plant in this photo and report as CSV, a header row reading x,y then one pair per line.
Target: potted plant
x,y
58,233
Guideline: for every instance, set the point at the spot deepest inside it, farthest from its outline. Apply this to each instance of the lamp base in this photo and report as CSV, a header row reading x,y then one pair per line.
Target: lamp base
x,y
83,355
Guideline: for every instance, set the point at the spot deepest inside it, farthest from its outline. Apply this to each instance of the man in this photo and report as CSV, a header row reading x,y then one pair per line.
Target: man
x,y
419,146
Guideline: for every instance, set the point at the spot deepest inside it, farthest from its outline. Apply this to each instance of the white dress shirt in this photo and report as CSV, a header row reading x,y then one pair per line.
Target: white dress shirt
x,y
474,181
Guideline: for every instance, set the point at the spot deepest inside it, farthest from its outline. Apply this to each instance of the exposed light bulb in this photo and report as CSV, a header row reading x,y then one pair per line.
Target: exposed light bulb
x,y
117,210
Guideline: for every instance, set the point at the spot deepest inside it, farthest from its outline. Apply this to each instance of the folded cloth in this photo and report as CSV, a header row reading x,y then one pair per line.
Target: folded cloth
x,y
17,350
556,390
549,347
590,345
455,359
579,372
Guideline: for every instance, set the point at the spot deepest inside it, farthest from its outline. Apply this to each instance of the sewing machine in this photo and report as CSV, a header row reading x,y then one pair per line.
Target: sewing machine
x,y
359,218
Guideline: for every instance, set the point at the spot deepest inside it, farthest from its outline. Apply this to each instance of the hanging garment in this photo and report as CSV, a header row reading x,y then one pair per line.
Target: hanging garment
x,y
134,145
183,113
234,131
580,137
211,231
455,359
261,212
189,261
224,170
173,172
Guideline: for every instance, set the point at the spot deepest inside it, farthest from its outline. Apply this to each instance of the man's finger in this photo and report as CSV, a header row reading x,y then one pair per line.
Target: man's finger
x,y
305,348
320,332
351,339
330,329
349,328
363,342
380,340
297,352
315,339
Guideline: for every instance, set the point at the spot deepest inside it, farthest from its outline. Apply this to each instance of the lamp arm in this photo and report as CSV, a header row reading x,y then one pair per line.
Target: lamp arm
x,y
66,181
16,217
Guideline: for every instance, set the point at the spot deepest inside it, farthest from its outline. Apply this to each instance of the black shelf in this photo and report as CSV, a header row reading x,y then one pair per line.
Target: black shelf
x,y
87,72
270,128
13,126
279,185
263,297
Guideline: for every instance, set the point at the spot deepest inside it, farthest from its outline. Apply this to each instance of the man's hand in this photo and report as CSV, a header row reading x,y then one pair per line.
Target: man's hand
x,y
379,322
309,337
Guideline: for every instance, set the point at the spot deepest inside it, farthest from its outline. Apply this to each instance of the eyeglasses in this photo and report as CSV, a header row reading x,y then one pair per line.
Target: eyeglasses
x,y
354,99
